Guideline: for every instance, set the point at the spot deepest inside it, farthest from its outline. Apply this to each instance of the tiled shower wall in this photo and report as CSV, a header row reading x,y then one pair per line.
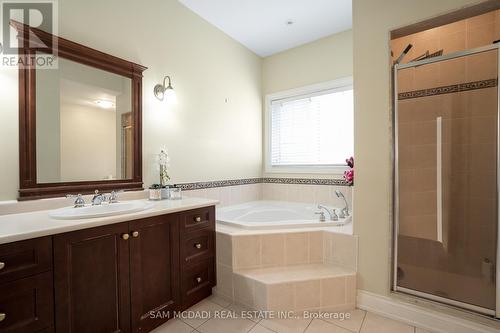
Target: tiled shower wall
x,y
463,93
458,36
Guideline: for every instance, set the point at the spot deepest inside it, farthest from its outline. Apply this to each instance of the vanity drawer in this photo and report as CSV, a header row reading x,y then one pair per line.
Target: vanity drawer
x,y
197,281
27,305
25,258
198,219
198,245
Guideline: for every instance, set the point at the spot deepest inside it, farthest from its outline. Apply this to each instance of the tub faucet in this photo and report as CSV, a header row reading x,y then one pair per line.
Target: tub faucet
x,y
333,215
345,211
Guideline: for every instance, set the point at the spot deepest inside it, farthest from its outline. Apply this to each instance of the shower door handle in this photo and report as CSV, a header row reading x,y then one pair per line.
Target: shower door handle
x,y
439,179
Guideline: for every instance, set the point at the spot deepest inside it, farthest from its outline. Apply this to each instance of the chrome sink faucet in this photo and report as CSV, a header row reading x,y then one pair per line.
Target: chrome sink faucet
x,y
79,201
333,214
98,198
113,196
345,211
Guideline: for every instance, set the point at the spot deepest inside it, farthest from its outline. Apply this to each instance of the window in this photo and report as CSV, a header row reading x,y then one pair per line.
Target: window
x,y
310,129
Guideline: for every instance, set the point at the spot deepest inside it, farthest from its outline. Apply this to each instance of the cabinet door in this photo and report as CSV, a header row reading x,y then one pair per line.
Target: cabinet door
x,y
154,270
91,273
27,305
25,258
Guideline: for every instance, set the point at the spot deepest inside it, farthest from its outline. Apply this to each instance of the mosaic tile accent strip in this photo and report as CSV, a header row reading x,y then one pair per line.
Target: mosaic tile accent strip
x,y
219,183
269,180
454,88
305,181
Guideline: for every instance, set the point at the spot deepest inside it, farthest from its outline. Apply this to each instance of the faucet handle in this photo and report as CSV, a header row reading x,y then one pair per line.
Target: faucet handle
x,y
346,211
79,201
335,217
321,216
113,196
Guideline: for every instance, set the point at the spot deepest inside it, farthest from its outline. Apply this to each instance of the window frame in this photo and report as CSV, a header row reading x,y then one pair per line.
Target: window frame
x,y
334,169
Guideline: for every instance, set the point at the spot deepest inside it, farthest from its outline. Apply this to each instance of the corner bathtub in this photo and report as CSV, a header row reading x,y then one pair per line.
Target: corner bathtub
x,y
275,215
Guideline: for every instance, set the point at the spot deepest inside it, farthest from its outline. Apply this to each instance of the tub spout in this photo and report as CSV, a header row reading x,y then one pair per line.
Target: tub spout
x,y
345,210
333,216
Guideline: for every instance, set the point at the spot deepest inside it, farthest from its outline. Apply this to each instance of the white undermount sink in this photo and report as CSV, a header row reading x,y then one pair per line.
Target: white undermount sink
x,y
72,213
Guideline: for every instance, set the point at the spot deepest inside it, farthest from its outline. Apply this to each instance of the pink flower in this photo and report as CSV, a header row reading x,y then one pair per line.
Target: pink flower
x,y
349,176
350,162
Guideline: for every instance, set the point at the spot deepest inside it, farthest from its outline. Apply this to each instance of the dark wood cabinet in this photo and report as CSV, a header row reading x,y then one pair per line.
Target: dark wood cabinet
x,y
197,245
26,286
197,219
119,278
26,305
91,272
154,271
25,258
197,234
132,276
197,281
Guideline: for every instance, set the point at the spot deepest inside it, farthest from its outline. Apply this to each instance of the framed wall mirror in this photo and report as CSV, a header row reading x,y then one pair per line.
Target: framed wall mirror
x,y
80,121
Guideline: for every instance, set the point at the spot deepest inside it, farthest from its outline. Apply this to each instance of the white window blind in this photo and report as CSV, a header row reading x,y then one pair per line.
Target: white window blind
x,y
312,130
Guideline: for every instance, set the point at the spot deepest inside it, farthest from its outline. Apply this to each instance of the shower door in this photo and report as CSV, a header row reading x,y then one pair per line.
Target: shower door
x,y
446,187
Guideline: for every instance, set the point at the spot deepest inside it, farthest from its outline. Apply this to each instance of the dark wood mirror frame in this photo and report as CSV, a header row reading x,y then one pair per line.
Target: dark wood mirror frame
x,y
28,38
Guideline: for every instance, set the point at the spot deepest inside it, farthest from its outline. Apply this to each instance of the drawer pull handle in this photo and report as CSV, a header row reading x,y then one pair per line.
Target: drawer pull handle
x,y
125,236
197,218
197,245
2,265
135,234
3,316
198,279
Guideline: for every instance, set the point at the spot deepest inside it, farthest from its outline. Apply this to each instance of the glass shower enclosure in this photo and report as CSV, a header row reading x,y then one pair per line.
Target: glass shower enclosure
x,y
446,179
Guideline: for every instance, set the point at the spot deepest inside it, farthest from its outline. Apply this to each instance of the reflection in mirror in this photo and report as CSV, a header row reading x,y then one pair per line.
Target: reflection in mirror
x,y
84,127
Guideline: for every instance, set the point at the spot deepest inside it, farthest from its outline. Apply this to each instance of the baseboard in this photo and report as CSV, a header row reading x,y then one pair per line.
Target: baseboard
x,y
418,316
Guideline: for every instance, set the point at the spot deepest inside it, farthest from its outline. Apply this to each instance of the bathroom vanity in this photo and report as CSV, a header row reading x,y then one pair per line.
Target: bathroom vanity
x,y
127,276
121,273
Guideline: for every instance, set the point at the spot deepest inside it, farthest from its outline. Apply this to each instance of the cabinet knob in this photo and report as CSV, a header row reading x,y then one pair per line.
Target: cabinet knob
x,y
125,236
197,218
197,245
198,279
2,265
135,234
3,316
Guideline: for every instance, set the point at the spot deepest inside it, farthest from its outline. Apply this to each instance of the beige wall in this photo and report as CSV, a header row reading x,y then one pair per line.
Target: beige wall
x,y
320,61
93,131
48,127
372,21
215,130
323,60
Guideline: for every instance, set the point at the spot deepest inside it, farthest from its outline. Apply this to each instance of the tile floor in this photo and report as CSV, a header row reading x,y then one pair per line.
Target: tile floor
x,y
359,322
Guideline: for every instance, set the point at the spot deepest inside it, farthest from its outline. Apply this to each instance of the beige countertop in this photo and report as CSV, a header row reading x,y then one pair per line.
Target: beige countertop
x,y
16,227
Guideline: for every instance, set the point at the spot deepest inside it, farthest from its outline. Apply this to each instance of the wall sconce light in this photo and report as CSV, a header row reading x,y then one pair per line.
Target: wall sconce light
x,y
163,91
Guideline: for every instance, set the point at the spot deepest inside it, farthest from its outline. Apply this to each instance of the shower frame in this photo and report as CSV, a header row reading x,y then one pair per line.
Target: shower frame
x,y
395,287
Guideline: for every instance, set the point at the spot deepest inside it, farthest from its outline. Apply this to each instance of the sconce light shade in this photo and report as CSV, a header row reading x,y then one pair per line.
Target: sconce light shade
x,y
166,92
170,95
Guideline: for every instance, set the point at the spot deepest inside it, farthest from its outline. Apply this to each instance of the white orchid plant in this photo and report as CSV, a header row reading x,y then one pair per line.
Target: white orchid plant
x,y
163,161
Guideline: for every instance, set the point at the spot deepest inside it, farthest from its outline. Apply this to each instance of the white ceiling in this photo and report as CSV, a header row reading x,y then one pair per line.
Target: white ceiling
x,y
73,92
261,25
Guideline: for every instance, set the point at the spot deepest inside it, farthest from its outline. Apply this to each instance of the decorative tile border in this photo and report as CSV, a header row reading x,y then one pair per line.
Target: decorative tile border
x,y
454,88
219,183
268,180
305,181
